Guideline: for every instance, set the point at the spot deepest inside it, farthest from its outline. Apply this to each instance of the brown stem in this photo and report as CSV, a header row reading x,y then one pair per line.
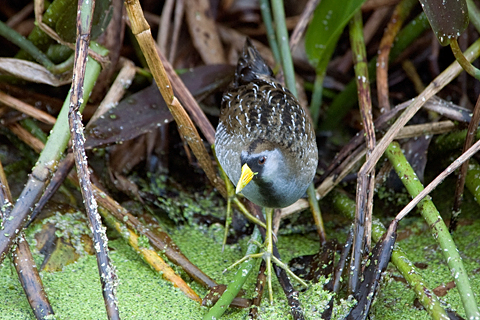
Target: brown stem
x,y
398,17
141,30
471,133
365,182
23,260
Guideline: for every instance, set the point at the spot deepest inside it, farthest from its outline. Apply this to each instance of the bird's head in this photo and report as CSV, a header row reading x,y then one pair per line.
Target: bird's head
x,y
262,167
266,179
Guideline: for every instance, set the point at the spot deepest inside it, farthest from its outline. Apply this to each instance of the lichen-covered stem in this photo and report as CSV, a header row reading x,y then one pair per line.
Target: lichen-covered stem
x,y
108,277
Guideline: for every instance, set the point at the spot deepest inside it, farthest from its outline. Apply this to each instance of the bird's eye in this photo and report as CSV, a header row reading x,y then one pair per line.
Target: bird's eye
x,y
262,160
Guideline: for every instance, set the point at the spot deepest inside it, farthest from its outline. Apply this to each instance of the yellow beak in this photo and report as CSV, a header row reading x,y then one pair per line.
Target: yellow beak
x,y
245,178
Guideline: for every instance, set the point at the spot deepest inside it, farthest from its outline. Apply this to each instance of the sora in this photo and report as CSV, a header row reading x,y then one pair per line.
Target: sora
x,y
265,142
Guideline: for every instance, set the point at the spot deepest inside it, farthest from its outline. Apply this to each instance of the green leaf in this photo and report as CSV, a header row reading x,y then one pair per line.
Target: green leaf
x,y
448,18
66,24
329,20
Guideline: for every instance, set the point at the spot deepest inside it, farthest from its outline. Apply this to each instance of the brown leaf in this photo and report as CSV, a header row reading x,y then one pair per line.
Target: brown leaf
x,y
203,31
33,72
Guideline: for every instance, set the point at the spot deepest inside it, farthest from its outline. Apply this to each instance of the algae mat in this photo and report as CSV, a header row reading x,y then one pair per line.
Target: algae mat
x,y
75,292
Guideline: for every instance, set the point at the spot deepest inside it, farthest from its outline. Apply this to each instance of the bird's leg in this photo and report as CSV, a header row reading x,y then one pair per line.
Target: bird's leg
x,y
268,255
230,195
247,213
228,219
269,250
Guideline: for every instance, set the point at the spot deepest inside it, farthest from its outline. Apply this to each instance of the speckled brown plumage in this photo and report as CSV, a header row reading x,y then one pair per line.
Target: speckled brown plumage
x,y
261,118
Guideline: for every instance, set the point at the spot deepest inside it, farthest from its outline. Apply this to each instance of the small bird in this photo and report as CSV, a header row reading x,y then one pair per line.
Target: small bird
x,y
264,141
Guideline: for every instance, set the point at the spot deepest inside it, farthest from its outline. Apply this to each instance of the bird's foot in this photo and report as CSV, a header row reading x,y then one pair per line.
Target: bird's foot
x,y
245,258
268,256
290,272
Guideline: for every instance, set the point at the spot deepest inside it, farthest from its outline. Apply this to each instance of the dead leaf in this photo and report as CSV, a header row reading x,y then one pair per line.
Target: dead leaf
x,y
203,31
33,72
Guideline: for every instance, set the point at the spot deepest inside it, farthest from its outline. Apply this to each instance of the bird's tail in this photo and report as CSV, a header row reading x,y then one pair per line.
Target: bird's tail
x,y
251,65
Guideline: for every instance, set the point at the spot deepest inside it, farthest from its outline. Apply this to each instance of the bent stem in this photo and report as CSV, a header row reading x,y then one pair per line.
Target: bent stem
x,y
466,65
